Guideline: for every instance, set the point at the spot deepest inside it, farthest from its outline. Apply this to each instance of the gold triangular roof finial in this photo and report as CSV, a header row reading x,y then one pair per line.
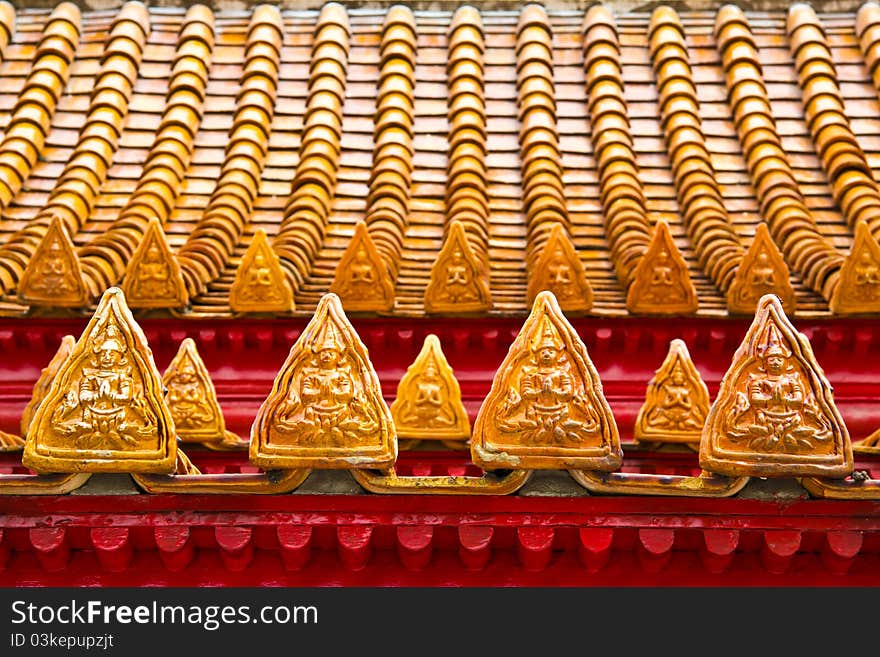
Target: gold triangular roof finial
x,y
428,403
761,271
546,408
858,290
676,403
661,284
104,411
192,399
326,408
362,280
560,271
152,278
53,276
775,415
459,283
260,285
44,382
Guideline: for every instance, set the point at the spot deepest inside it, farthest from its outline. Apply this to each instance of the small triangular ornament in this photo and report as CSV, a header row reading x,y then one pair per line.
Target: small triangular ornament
x,y
260,285
677,401
152,278
858,291
41,387
661,284
362,280
104,411
761,271
560,271
191,398
546,409
53,276
428,403
326,408
774,415
459,283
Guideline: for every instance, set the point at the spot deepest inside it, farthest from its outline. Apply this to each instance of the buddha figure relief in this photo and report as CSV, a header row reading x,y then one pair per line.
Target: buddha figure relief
x,y
559,270
187,399
458,282
661,284
774,414
362,278
546,408
326,407
762,270
776,410
53,275
676,403
260,285
428,403
104,408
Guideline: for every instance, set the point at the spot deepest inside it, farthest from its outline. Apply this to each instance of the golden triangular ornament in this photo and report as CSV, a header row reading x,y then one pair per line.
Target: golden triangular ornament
x,y
41,387
676,403
560,271
546,408
326,408
260,285
775,414
459,283
191,398
362,280
53,276
661,284
104,411
428,403
152,278
761,271
858,291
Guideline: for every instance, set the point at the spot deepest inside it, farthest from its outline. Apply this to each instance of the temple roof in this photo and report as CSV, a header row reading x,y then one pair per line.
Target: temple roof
x,y
264,90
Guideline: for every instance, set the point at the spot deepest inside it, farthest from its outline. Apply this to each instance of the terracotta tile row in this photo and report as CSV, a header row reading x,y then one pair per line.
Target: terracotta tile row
x,y
543,193
781,201
844,162
867,26
627,226
77,187
212,243
105,258
7,25
388,199
467,193
32,115
711,233
307,211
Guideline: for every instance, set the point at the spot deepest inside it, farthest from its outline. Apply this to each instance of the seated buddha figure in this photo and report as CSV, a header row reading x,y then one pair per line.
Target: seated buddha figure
x,y
866,276
676,411
545,407
153,276
777,412
102,410
458,280
430,408
187,399
325,405
53,273
259,286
